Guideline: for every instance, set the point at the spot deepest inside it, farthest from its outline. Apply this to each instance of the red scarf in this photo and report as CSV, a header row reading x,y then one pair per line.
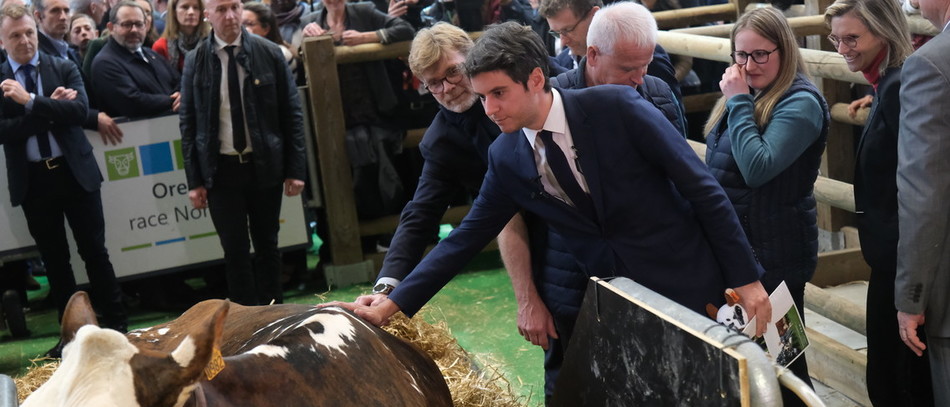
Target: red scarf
x,y
872,73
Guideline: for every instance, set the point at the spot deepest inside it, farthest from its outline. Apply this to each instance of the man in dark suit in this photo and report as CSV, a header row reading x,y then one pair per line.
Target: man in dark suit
x,y
922,289
51,170
52,17
631,200
53,21
132,80
242,142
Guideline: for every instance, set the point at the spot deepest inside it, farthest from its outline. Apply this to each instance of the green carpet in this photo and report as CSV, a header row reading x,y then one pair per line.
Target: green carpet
x,y
478,306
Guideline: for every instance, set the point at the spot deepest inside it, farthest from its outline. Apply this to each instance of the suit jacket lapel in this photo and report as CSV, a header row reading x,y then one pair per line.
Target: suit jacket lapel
x,y
524,159
581,132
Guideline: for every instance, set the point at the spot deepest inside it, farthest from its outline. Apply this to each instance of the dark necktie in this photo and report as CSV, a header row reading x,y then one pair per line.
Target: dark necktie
x,y
565,177
42,140
237,107
141,55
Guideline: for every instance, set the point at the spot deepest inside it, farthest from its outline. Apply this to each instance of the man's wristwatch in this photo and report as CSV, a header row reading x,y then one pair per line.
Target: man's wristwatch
x,y
383,288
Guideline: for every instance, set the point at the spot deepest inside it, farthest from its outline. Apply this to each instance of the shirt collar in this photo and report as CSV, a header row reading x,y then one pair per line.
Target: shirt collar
x,y
35,61
220,44
556,121
62,47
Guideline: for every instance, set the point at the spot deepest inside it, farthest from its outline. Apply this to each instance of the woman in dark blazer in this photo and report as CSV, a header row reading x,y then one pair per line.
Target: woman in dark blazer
x,y
874,39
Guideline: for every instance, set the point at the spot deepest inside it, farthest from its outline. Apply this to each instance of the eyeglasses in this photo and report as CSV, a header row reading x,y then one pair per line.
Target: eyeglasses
x,y
569,30
760,56
453,76
128,25
850,41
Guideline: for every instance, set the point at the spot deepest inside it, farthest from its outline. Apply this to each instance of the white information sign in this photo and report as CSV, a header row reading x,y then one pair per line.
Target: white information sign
x,y
150,223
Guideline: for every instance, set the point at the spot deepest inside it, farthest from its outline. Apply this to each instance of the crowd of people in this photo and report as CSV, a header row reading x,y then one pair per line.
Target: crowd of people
x,y
577,160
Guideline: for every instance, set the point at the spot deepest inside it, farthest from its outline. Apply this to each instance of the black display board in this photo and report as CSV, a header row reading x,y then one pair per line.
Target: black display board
x,y
625,352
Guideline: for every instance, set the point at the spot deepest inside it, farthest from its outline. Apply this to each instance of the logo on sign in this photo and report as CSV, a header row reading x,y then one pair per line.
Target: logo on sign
x,y
122,164
155,158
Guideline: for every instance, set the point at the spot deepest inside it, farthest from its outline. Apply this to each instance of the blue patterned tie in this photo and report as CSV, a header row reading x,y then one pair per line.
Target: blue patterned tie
x,y
42,140
565,177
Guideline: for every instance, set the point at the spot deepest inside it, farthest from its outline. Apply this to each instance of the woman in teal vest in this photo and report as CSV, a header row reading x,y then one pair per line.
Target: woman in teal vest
x,y
764,143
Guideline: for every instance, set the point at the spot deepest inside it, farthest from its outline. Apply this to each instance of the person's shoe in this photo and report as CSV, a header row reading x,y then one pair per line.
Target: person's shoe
x,y
56,352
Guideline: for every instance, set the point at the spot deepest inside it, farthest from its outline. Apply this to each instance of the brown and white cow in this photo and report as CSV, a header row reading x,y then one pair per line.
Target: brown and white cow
x,y
278,355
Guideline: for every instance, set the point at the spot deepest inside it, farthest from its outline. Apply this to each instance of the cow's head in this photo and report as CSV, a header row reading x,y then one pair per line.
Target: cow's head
x,y
121,163
100,367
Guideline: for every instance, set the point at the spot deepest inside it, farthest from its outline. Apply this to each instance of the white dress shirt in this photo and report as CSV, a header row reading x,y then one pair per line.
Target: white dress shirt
x,y
225,128
557,124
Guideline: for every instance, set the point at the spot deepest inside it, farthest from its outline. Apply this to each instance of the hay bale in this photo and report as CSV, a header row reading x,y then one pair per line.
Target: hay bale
x,y
473,383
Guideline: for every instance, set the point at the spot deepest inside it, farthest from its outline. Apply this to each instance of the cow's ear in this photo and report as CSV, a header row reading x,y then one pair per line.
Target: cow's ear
x,y
78,313
207,341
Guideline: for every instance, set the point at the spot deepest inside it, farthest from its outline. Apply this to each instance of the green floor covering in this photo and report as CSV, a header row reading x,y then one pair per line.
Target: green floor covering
x,y
478,306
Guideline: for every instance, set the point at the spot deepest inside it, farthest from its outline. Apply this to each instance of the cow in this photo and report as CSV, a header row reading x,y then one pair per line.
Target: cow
x,y
223,354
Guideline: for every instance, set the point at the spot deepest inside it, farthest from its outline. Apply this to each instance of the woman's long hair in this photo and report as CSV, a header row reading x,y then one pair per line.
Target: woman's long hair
x,y
885,20
771,25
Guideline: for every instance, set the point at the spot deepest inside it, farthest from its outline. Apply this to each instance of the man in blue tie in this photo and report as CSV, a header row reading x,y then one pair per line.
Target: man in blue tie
x,y
603,169
50,167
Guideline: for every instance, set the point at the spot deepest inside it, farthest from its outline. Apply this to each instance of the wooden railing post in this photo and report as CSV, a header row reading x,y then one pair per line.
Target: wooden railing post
x,y
329,131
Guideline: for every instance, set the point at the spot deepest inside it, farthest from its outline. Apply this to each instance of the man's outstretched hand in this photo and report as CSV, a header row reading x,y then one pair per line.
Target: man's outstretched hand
x,y
378,314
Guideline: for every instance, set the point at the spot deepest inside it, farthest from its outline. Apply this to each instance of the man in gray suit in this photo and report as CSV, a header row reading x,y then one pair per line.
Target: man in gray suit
x,y
922,292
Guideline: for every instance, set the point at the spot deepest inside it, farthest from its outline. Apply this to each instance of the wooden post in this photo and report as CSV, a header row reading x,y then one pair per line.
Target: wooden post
x,y
329,131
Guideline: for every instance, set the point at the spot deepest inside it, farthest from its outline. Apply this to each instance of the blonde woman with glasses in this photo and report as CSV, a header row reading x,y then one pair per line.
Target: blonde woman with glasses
x,y
764,143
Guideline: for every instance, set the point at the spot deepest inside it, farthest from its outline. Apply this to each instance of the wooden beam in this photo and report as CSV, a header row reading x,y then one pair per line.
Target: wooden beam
x,y
802,26
371,52
836,308
329,131
837,366
824,64
837,267
835,193
839,113
686,17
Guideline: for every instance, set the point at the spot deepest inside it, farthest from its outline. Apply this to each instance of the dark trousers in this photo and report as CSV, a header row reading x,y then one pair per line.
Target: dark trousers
x,y
239,206
896,376
55,195
554,355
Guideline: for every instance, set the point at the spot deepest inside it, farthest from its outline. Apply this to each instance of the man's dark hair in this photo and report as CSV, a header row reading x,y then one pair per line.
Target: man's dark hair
x,y
510,47
580,8
114,13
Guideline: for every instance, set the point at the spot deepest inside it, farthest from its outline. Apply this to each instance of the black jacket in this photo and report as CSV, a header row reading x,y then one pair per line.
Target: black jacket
x,y
271,105
61,117
875,176
125,85
455,148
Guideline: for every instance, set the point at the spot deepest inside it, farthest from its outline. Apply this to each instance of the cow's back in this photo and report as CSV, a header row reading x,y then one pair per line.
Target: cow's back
x,y
303,355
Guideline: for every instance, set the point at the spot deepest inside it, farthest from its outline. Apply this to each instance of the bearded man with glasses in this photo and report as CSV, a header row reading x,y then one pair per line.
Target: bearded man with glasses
x,y
130,79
